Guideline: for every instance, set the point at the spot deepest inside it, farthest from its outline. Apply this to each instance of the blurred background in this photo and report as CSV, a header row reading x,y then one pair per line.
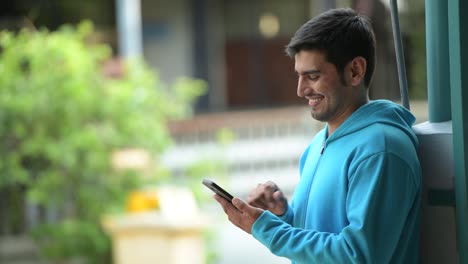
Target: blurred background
x,y
112,111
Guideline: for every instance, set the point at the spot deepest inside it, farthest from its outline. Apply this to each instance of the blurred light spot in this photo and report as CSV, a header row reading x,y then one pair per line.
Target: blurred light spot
x,y
269,25
138,159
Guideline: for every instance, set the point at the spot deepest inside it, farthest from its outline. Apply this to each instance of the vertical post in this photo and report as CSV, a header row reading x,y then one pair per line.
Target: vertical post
x,y
32,215
458,39
438,70
400,56
200,53
129,28
328,4
317,7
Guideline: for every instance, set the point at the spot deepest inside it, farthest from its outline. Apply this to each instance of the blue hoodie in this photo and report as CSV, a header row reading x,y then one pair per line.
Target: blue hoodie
x,y
358,198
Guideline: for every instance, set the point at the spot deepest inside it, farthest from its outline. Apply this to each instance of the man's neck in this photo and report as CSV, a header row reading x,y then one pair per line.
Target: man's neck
x,y
333,126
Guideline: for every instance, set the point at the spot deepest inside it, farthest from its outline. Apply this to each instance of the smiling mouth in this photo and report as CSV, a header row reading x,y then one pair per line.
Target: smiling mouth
x,y
314,100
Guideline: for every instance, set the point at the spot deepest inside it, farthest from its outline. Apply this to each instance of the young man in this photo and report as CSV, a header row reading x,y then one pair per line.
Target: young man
x,y
358,198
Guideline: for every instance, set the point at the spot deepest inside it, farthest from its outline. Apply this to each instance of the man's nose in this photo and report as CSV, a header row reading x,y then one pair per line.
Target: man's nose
x,y
300,86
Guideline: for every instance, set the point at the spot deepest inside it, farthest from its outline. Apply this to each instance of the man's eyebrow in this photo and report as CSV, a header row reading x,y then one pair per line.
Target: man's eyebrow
x,y
308,72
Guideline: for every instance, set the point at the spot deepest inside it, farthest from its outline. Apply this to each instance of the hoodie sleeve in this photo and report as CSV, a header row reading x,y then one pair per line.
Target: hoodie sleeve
x,y
288,216
382,193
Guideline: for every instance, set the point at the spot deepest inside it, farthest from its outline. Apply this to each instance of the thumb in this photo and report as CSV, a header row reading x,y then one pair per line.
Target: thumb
x,y
244,207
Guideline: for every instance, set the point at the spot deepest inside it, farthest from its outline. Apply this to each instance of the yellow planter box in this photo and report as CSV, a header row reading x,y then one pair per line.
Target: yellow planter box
x,y
171,235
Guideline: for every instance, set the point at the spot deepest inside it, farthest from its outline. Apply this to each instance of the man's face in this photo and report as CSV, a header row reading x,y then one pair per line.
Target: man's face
x,y
328,95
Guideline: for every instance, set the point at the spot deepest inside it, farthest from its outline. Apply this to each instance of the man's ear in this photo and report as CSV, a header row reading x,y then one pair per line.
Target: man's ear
x,y
356,70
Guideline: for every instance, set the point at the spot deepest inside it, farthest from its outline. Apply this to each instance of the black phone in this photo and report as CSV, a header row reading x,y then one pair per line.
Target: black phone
x,y
218,190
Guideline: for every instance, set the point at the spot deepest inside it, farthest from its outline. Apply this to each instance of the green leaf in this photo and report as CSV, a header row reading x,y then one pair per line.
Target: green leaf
x,y
61,119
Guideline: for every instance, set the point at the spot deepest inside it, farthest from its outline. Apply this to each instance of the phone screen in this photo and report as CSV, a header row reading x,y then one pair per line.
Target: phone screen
x,y
218,190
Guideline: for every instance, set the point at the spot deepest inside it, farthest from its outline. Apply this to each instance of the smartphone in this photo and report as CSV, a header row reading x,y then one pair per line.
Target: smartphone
x,y
218,190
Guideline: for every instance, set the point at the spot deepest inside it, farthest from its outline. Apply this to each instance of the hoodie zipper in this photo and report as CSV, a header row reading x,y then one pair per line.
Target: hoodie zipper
x,y
323,147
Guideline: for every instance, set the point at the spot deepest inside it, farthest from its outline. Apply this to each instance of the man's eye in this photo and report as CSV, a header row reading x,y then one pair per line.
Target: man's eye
x,y
312,77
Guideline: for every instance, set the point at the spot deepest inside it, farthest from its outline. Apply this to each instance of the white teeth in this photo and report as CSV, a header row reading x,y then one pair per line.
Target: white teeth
x,y
315,99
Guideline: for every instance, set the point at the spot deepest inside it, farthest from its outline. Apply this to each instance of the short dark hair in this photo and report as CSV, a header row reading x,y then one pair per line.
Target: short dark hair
x,y
342,35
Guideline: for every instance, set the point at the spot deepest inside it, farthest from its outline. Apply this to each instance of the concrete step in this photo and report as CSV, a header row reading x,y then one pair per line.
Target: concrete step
x,y
18,250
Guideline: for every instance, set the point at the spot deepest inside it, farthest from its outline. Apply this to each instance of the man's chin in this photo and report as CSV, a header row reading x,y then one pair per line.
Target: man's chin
x,y
318,116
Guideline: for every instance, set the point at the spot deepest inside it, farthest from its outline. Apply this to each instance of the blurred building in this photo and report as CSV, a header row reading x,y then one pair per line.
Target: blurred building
x,y
236,46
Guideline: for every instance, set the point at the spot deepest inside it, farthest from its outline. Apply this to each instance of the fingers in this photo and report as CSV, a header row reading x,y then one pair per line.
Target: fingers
x,y
279,197
238,206
227,206
244,207
258,196
252,213
240,213
265,196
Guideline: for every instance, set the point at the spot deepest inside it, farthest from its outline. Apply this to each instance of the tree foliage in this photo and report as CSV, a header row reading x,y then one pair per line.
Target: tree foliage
x,y
61,119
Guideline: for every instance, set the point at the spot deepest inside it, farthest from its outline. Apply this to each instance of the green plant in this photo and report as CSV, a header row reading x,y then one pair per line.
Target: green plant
x,y
416,33
60,121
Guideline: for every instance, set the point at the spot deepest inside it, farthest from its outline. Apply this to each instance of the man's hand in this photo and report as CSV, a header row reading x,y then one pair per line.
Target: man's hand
x,y
240,213
268,197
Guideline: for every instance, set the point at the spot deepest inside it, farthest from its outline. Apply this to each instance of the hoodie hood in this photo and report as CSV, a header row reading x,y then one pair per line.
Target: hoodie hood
x,y
378,111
